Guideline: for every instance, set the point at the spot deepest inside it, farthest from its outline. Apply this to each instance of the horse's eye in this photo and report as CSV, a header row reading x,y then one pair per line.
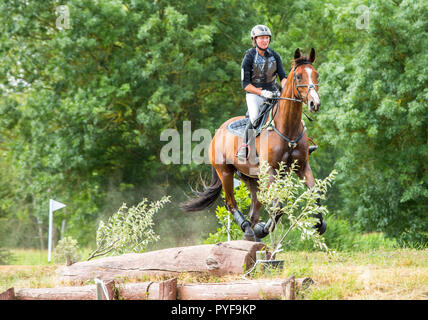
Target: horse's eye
x,y
299,77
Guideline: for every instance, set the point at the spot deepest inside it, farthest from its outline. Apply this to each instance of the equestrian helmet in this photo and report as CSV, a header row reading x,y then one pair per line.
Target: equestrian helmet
x,y
260,30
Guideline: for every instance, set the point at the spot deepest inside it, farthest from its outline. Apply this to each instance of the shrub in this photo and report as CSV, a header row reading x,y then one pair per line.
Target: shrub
x,y
67,251
129,229
298,203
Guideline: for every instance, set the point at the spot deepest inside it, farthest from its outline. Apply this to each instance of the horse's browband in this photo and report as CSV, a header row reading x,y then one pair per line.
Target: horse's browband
x,y
302,62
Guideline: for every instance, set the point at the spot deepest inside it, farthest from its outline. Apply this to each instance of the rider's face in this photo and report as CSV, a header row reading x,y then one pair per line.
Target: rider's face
x,y
263,41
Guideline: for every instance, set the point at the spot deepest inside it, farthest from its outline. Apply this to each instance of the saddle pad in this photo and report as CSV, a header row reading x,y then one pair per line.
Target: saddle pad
x,y
237,127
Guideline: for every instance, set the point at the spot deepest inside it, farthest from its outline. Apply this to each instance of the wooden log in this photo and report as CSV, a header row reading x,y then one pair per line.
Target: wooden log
x,y
233,257
9,294
238,290
165,290
88,292
288,288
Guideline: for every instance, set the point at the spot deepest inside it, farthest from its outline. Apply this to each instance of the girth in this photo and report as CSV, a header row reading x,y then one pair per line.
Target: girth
x,y
291,143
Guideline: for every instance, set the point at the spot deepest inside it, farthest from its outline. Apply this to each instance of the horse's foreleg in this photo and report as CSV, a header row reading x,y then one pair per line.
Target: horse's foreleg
x,y
227,181
307,174
262,229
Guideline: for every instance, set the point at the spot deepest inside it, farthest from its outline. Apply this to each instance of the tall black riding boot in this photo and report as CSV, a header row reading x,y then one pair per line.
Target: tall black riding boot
x,y
243,150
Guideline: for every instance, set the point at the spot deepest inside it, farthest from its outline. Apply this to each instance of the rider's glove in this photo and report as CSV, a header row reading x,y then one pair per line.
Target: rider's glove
x,y
267,94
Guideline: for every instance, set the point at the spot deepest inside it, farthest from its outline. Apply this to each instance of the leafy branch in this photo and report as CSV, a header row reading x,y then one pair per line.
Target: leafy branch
x,y
129,229
298,203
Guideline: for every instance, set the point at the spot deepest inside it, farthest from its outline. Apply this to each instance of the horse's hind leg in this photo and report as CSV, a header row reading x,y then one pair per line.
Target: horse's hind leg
x,y
256,205
226,174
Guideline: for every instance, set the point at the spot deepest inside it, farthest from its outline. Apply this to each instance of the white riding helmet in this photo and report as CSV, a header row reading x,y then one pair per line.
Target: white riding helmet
x,y
260,30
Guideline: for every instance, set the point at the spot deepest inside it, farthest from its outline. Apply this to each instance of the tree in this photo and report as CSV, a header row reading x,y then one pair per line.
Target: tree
x,y
86,105
376,120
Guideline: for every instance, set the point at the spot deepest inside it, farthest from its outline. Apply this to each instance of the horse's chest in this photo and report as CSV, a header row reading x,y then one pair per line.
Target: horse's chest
x,y
296,154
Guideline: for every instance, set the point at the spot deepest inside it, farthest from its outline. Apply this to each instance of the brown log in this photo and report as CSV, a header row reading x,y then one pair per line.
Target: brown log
x,y
238,290
233,257
88,292
9,294
288,288
165,290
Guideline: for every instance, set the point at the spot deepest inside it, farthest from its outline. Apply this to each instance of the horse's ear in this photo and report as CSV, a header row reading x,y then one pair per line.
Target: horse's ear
x,y
297,54
312,55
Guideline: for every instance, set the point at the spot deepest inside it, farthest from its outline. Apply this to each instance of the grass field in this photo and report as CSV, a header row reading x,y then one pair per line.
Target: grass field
x,y
377,274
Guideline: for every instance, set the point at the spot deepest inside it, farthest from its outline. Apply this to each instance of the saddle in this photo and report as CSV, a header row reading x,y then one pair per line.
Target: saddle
x,y
237,127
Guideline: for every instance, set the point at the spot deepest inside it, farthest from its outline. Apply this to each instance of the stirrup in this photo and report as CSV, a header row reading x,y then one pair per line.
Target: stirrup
x,y
243,148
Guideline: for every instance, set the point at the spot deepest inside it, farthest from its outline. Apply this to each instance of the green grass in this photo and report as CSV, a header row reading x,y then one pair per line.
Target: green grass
x,y
34,257
375,274
29,257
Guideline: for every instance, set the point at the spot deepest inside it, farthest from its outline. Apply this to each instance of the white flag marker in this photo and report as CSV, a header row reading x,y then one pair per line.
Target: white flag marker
x,y
236,182
53,206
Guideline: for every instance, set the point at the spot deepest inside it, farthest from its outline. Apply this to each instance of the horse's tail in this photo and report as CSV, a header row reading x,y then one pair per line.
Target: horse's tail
x,y
205,198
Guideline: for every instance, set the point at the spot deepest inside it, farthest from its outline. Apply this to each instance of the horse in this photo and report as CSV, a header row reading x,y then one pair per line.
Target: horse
x,y
286,142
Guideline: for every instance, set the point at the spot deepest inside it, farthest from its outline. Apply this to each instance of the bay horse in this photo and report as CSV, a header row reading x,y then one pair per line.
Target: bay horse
x,y
286,142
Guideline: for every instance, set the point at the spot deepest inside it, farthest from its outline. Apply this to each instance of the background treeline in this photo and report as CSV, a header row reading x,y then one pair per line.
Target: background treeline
x,y
82,109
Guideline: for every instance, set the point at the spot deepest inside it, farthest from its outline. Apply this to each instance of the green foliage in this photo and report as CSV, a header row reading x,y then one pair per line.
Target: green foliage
x,y
67,251
340,236
298,203
129,229
92,100
6,257
375,120
82,109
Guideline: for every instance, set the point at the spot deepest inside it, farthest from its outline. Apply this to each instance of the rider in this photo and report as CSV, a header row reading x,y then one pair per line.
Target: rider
x,y
259,69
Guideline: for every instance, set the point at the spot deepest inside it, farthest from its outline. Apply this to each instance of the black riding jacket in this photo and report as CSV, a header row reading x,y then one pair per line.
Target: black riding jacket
x,y
261,71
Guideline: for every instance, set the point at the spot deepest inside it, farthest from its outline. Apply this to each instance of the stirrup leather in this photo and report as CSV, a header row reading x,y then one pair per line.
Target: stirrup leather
x,y
246,150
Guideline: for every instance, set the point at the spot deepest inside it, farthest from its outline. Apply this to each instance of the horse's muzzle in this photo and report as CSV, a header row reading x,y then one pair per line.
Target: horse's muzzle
x,y
314,106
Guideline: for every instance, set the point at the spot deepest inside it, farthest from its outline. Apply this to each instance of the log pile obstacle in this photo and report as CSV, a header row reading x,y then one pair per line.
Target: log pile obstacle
x,y
163,290
219,259
233,257
274,289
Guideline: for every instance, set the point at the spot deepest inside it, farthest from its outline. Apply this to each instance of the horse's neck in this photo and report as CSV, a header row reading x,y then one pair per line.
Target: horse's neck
x,y
289,114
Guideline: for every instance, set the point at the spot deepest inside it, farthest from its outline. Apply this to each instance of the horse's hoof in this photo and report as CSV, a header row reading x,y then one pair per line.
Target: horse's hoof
x,y
259,230
322,228
249,234
249,238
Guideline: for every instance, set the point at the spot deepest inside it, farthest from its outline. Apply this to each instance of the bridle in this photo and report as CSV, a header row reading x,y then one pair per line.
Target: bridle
x,y
309,86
